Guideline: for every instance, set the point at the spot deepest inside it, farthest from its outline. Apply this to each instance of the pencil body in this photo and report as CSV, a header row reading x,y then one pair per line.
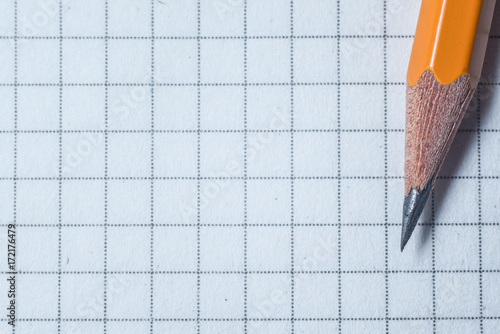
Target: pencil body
x,y
445,66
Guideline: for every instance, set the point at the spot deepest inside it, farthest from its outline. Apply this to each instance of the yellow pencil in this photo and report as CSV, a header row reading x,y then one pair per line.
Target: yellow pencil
x,y
444,70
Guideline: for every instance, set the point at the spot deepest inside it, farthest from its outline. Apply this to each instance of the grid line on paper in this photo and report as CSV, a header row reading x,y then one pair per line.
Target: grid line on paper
x,y
124,320
210,84
386,172
389,36
292,211
213,37
152,212
245,168
106,168
217,131
433,250
198,170
339,175
238,131
222,320
123,178
76,225
60,194
14,194
269,272
479,214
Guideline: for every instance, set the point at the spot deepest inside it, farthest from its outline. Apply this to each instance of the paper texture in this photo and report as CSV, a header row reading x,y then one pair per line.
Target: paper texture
x,y
231,166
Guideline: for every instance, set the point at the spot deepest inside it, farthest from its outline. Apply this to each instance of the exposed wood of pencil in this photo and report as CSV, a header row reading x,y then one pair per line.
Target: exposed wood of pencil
x,y
433,115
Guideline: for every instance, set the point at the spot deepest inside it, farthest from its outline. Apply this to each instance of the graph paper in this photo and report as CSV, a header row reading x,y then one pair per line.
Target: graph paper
x,y
234,166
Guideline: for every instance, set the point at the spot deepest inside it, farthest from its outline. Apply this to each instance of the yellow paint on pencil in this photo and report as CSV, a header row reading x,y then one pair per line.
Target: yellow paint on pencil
x,y
447,36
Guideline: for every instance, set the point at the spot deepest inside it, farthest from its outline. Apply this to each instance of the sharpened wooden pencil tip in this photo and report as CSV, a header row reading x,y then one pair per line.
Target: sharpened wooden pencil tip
x,y
433,115
412,209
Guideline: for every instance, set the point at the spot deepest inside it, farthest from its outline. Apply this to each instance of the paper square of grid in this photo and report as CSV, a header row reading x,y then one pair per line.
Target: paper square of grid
x,y
235,166
84,108
315,60
176,108
41,250
362,18
356,98
177,296
129,108
176,202
172,54
78,210
82,248
38,108
268,107
83,67
222,108
269,296
37,201
83,302
221,248
128,295
35,290
222,60
361,53
129,60
223,297
410,295
262,150
179,251
38,154
126,201
315,107
38,61
268,60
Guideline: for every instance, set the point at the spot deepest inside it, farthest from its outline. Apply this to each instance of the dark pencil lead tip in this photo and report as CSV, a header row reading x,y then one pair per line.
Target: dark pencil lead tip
x,y
412,209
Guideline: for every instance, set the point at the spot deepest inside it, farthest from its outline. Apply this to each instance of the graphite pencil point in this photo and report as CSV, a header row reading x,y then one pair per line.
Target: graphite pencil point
x,y
412,209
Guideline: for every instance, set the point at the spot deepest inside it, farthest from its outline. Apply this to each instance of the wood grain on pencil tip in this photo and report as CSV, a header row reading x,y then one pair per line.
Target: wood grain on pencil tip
x,y
433,115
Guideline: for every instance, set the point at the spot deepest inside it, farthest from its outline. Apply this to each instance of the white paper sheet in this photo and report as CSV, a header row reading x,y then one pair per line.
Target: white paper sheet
x,y
231,166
